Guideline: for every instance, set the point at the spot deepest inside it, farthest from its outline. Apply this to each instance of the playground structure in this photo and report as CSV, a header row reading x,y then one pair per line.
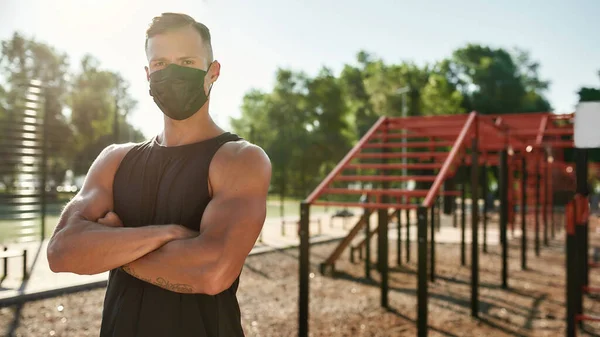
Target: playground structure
x,y
527,150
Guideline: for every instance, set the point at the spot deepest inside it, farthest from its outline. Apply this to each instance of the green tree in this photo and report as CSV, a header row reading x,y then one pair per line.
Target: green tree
x,y
493,81
329,133
22,60
587,94
440,96
100,102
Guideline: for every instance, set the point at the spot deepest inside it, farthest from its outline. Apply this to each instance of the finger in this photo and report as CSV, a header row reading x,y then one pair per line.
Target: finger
x,y
115,218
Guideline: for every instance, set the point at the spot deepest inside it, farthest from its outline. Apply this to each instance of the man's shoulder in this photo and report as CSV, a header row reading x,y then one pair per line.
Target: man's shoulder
x,y
241,156
242,151
113,154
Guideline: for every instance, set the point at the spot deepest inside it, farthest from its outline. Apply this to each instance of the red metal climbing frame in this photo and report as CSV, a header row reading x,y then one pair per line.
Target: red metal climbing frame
x,y
428,151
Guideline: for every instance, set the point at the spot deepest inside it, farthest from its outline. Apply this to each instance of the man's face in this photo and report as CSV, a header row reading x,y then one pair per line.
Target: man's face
x,y
183,47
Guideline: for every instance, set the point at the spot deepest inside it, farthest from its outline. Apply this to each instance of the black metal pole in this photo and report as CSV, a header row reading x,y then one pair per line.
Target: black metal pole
x,y
537,206
383,254
579,269
422,292
474,227
463,218
551,200
438,218
545,203
432,244
503,185
485,191
367,244
407,245
571,268
524,213
304,271
454,213
399,240
581,174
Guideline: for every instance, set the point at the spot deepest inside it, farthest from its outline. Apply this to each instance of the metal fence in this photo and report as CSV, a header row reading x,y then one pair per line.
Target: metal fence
x,y
21,167
32,164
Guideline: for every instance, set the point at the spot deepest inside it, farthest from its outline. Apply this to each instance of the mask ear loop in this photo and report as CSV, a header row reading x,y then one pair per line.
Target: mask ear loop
x,y
211,85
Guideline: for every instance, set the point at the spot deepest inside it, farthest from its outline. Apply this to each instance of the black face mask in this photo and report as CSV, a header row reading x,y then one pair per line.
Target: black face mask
x,y
178,91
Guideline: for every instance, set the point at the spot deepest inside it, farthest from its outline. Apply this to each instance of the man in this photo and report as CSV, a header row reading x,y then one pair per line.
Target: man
x,y
174,218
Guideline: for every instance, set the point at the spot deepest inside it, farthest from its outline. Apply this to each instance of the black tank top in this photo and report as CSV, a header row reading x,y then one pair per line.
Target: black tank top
x,y
157,185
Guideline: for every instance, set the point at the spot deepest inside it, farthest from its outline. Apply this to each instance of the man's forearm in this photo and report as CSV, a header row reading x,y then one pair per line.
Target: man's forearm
x,y
90,248
175,268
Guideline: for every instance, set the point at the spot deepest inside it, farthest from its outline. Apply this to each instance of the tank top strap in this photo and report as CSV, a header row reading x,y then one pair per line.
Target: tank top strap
x,y
216,144
219,141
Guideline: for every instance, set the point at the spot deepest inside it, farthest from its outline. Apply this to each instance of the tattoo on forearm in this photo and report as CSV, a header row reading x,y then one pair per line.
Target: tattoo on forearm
x,y
180,288
132,272
161,282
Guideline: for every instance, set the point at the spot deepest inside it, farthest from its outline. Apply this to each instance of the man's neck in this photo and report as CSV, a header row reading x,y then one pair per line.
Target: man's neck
x,y
195,129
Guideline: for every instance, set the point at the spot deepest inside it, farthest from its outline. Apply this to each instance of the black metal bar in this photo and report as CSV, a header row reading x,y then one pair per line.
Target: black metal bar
x,y
25,273
5,265
545,203
304,270
581,174
485,192
432,244
524,214
454,213
580,272
407,245
474,228
383,254
463,217
551,199
571,268
503,185
399,240
368,246
438,217
537,206
422,292
449,185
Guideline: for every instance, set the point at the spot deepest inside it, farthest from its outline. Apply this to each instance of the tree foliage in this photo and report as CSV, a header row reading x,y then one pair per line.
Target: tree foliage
x,y
307,125
79,107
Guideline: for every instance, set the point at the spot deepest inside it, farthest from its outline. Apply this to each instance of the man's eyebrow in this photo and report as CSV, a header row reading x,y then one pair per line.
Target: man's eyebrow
x,y
158,59
164,59
186,58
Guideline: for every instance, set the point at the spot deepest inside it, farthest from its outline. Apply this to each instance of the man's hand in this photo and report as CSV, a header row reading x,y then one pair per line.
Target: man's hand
x,y
178,232
111,219
181,232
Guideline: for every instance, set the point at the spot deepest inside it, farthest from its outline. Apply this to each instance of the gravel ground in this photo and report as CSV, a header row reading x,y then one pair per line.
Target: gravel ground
x,y
348,304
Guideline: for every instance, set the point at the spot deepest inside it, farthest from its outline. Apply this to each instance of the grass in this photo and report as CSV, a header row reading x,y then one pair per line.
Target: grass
x,y
15,230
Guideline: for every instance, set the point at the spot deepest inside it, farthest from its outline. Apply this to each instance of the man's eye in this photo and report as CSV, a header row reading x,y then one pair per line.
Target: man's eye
x,y
188,62
159,64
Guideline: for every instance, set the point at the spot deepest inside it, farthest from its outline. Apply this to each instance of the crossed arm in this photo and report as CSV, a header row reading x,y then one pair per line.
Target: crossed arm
x,y
81,244
169,256
232,221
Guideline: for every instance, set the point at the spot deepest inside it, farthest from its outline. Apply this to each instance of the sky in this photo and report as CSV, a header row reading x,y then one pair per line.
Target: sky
x,y
251,39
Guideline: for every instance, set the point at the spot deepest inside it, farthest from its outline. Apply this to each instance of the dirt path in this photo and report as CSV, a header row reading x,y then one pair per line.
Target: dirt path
x,y
348,304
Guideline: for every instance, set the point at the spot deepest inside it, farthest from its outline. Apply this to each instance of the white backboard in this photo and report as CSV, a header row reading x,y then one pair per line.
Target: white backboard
x,y
587,125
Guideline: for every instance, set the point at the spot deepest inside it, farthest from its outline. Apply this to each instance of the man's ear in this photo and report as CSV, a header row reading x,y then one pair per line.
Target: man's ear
x,y
147,73
212,75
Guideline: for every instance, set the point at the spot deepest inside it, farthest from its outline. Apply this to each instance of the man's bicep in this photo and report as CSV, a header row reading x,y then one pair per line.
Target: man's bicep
x,y
238,207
